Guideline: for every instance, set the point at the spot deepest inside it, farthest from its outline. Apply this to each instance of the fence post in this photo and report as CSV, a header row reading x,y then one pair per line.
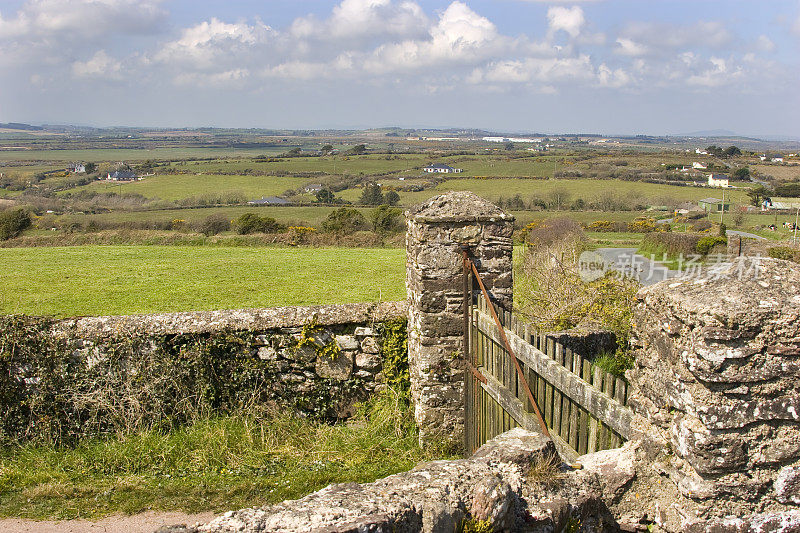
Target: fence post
x,y
437,230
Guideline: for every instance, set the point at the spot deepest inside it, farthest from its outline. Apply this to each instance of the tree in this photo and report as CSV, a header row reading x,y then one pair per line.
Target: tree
x,y
757,194
90,167
13,222
214,224
391,198
252,223
325,196
385,219
731,151
358,149
791,190
509,146
327,148
742,173
345,220
558,198
371,195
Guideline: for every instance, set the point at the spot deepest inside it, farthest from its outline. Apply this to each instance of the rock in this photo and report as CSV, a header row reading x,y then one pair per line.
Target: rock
x,y
346,342
369,361
370,345
341,367
613,470
364,332
787,486
267,353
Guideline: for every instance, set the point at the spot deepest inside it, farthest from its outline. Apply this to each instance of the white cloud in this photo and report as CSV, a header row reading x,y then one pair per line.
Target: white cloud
x,y
100,65
538,70
355,19
203,46
568,19
629,47
460,36
616,78
664,38
718,73
765,44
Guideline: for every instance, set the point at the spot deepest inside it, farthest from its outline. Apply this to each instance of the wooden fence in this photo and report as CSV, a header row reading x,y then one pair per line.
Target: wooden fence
x,y
582,405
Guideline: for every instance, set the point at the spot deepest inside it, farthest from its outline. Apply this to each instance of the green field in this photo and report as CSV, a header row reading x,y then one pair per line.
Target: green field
x,y
179,187
101,280
131,154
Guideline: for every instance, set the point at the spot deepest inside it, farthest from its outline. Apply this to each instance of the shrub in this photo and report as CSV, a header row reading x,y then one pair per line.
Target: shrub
x,y
783,252
13,222
214,224
671,243
705,244
702,225
345,220
371,195
391,198
252,223
552,230
386,219
642,225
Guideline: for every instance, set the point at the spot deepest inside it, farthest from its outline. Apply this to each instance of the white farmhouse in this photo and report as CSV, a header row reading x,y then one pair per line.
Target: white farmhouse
x,y
699,166
442,169
718,180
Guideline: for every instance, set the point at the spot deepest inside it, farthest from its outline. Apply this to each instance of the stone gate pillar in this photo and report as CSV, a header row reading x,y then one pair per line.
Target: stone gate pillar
x,y
717,381
437,229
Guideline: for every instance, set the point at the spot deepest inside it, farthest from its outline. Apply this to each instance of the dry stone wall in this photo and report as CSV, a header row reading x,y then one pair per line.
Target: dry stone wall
x,y
63,380
717,388
438,230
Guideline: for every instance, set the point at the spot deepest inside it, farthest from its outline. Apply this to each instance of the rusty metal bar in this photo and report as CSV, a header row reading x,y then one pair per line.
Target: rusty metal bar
x,y
507,345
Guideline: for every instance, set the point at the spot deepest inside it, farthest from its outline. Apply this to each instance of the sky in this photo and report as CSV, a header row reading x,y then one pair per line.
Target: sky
x,y
591,66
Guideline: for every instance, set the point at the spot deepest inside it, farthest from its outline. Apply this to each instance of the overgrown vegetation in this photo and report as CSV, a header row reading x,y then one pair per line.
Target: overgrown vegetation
x,y
550,293
13,222
216,463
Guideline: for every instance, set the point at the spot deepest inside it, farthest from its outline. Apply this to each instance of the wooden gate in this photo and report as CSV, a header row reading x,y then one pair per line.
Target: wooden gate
x,y
516,378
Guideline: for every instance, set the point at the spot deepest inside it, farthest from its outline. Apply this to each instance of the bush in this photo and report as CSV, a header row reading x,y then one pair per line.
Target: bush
x,y
642,225
702,225
705,244
783,252
13,222
549,231
386,219
252,223
671,243
214,224
345,220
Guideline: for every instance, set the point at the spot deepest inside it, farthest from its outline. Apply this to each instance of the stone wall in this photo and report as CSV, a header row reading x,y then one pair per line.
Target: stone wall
x,y
437,231
91,375
717,388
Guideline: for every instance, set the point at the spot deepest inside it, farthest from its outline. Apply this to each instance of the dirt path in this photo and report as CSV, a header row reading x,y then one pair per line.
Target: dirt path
x,y
139,523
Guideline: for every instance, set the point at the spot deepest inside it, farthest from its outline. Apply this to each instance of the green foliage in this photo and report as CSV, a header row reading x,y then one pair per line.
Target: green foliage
x,y
757,194
742,173
386,219
791,190
325,196
252,223
216,463
391,198
214,224
614,363
90,167
345,220
723,230
471,525
783,252
394,349
13,222
358,149
311,337
371,195
705,244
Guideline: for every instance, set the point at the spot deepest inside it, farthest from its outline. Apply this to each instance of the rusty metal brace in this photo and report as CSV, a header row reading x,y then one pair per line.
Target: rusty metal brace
x,y
504,338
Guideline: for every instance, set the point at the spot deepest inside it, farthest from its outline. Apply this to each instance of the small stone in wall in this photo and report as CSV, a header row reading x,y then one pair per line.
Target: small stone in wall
x,y
267,353
368,361
341,367
787,486
370,345
347,342
364,332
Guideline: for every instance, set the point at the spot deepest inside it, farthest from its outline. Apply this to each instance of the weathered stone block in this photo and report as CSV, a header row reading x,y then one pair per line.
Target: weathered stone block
x,y
347,342
787,486
370,345
341,367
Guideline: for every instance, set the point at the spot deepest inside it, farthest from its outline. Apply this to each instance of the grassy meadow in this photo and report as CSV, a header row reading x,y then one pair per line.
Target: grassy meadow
x,y
107,280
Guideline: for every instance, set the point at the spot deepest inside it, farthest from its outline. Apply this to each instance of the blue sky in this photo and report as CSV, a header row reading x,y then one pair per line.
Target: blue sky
x,y
603,66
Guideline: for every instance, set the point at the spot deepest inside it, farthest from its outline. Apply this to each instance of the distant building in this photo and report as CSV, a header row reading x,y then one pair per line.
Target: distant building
x,y
442,169
714,205
313,188
700,152
270,200
77,168
699,166
718,180
122,175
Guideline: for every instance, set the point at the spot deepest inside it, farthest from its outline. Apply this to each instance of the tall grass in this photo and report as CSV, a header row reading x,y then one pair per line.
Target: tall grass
x,y
216,464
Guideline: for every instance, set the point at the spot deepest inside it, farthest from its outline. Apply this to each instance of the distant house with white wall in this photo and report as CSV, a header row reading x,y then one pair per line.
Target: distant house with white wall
x,y
718,180
77,168
441,169
699,166
700,152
